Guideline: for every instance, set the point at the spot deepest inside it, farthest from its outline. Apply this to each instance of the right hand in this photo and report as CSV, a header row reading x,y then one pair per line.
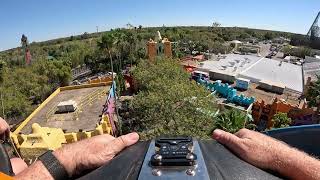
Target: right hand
x,y
255,148
4,129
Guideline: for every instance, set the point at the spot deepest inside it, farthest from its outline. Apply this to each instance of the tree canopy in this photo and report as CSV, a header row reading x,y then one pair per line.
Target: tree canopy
x,y
169,103
23,87
313,94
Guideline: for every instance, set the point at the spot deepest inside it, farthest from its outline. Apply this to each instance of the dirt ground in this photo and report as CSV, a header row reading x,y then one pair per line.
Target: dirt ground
x,y
268,97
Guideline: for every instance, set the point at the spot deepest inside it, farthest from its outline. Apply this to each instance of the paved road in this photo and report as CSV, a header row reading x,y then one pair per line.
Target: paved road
x,y
265,49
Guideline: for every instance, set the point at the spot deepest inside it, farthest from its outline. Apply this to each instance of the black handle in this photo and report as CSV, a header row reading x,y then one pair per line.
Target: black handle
x,y
5,164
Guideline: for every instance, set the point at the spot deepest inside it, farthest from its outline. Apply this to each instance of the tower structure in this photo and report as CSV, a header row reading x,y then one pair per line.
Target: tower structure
x,y
159,47
314,30
26,51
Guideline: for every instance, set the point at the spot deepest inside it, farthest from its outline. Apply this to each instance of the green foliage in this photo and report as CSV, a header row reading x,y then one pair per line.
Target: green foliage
x,y
32,84
297,51
303,40
24,86
233,120
313,94
269,36
169,103
2,66
281,120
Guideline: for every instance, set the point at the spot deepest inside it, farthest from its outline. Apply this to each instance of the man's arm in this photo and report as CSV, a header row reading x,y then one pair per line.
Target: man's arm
x,y
83,155
267,153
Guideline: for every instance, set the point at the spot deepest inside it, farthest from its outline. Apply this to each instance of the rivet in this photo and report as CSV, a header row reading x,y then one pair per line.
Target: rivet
x,y
158,157
156,172
191,172
190,156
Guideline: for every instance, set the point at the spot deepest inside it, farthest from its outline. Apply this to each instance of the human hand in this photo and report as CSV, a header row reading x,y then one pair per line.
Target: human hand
x,y
4,129
93,152
255,148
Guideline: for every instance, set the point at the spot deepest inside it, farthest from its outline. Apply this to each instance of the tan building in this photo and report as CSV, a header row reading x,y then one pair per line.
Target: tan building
x,y
159,47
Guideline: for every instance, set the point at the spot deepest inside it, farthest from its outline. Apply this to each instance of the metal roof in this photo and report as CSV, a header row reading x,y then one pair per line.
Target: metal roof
x,y
276,72
256,69
231,64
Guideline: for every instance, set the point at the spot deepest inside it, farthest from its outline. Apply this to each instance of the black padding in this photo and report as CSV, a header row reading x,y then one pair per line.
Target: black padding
x,y
125,166
222,164
304,138
5,164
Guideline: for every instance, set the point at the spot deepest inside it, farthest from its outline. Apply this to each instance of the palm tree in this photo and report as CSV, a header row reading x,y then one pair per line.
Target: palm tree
x,y
232,121
106,44
216,24
132,41
120,46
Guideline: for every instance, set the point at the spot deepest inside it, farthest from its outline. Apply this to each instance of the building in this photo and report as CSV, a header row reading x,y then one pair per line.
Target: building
x,y
279,73
269,73
311,68
228,67
235,44
263,113
47,128
159,47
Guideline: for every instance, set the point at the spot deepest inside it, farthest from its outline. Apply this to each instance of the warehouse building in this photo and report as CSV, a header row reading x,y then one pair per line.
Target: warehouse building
x,y
279,75
271,75
227,67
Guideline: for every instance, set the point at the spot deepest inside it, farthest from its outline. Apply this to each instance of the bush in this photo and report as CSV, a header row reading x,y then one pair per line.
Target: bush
x,y
281,120
233,120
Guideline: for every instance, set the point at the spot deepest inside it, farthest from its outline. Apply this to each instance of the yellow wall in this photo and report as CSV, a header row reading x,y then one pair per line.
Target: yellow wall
x,y
42,139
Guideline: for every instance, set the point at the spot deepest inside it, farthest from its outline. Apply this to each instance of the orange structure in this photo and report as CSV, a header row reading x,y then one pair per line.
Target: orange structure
x,y
162,47
103,79
152,49
263,113
167,48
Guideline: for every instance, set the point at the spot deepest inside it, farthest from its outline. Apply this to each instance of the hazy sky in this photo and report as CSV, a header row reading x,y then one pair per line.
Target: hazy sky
x,y
43,19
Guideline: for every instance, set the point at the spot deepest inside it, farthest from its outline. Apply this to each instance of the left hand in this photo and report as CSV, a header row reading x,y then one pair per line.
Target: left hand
x,y
93,152
4,129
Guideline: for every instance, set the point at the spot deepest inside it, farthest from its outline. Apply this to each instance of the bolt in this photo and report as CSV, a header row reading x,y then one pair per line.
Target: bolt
x,y
191,172
190,156
158,157
156,172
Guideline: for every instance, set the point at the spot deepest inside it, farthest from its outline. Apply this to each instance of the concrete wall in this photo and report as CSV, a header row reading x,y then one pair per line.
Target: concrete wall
x,y
220,76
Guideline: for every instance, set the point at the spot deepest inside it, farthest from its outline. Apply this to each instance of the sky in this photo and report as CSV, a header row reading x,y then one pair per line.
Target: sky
x,y
42,20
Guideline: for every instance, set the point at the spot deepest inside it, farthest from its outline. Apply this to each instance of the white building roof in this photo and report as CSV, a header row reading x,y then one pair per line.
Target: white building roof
x,y
232,64
236,42
257,69
284,73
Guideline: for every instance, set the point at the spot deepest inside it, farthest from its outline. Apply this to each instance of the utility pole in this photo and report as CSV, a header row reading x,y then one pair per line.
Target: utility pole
x,y
97,27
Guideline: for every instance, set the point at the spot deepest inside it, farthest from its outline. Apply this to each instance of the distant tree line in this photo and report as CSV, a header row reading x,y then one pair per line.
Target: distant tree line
x,y
23,87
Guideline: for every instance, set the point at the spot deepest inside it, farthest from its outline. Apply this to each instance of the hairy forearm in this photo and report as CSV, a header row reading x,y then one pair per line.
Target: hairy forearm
x,y
295,164
36,171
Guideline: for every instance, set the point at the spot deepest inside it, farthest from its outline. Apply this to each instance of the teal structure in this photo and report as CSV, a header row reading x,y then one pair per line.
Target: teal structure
x,y
226,91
